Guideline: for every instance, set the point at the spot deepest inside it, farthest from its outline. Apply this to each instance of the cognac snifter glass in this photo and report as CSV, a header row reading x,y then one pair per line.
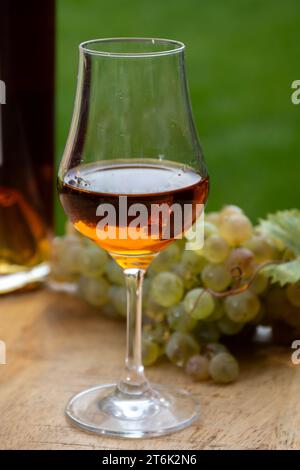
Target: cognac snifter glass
x,y
132,135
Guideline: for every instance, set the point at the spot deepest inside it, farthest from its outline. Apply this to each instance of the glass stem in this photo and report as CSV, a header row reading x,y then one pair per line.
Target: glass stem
x,y
133,380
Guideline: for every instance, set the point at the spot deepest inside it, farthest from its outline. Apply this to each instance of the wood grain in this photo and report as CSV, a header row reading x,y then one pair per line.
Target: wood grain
x,y
57,346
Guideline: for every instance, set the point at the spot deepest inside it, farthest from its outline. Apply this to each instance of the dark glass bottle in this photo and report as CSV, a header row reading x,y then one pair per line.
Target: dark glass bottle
x,y
26,140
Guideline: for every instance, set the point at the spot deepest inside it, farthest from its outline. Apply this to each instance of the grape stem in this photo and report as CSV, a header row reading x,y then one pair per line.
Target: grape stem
x,y
238,289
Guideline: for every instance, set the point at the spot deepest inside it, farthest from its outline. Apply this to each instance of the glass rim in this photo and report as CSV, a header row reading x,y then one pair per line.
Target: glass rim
x,y
178,46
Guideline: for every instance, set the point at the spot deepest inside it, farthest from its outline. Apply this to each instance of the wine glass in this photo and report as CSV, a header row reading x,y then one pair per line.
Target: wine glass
x,y
131,167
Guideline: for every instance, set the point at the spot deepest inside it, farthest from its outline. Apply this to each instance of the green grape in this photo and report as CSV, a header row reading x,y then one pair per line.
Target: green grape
x,y
150,352
180,347
236,229
118,298
189,279
218,311
210,229
146,292
223,368
192,262
216,277
259,283
207,332
67,253
189,268
158,333
167,289
59,274
180,243
260,247
241,261
293,293
199,303
166,259
93,261
230,209
211,349
278,245
179,320
94,291
114,273
146,286
213,218
243,307
197,367
229,327
155,312
276,302
216,249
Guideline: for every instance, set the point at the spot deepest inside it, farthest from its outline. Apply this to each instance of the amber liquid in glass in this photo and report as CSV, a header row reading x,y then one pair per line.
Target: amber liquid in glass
x,y
23,237
86,187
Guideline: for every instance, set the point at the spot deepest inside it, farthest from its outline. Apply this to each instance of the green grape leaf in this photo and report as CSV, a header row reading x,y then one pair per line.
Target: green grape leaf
x,y
283,226
284,273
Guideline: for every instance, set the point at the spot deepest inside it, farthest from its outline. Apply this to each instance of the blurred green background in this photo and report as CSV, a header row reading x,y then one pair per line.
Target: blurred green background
x,y
242,56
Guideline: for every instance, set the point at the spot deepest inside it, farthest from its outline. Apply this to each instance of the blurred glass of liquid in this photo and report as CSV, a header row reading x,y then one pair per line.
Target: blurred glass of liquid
x,y
26,142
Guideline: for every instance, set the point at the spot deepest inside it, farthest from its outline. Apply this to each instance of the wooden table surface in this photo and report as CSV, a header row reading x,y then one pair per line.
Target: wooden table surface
x,y
57,346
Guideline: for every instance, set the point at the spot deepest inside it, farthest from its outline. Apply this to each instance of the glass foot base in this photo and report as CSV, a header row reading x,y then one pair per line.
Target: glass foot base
x,y
106,410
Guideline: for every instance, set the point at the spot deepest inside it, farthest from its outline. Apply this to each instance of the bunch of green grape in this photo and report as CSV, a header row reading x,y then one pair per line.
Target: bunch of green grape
x,y
193,301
